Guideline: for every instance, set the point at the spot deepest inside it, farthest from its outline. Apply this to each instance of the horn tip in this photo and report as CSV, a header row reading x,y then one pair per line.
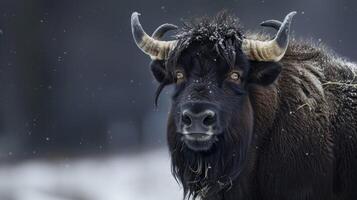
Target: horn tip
x,y
134,14
289,18
291,14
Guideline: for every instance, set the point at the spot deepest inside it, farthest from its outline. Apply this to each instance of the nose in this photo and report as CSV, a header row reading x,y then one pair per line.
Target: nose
x,y
205,118
199,117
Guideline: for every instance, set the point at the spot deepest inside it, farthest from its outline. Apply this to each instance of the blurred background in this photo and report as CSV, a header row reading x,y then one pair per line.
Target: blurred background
x,y
77,118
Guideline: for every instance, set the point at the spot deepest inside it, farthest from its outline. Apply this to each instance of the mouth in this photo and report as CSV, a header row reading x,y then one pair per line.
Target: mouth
x,y
200,137
199,141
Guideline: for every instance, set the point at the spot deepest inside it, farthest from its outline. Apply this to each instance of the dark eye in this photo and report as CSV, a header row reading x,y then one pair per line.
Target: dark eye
x,y
179,76
234,76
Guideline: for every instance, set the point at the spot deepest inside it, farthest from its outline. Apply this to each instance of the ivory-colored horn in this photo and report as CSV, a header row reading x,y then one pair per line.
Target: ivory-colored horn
x,y
156,49
272,50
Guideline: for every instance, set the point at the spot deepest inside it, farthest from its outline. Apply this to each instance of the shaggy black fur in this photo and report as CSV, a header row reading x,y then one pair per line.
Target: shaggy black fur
x,y
290,126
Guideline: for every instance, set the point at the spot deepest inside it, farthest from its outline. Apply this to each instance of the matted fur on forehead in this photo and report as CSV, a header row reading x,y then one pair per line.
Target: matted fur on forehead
x,y
222,32
214,29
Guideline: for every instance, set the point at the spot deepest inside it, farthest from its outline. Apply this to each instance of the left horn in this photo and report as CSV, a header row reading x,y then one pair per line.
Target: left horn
x,y
156,49
273,50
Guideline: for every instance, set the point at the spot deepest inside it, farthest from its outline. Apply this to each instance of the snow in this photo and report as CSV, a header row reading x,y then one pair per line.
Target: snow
x,y
143,176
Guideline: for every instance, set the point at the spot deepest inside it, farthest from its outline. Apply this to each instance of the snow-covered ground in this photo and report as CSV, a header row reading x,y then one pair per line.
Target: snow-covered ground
x,y
132,177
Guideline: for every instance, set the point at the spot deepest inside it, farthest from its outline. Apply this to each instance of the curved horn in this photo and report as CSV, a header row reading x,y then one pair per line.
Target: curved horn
x,y
161,30
156,49
272,50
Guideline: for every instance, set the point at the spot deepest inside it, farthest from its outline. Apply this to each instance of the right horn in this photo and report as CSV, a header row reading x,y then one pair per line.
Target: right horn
x,y
156,49
272,50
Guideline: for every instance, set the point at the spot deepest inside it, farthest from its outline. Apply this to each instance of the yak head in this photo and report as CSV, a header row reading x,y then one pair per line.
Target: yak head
x,y
212,65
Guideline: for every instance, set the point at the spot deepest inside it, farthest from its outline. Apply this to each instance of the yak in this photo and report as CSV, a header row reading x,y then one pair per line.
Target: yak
x,y
255,117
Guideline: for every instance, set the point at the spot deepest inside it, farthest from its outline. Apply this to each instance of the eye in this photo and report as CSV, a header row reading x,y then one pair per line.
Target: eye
x,y
234,76
179,76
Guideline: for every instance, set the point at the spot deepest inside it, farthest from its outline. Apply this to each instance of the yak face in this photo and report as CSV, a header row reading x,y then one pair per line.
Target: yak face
x,y
212,77
211,120
210,95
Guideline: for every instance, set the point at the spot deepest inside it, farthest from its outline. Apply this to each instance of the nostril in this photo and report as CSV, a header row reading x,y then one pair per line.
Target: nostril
x,y
186,119
210,119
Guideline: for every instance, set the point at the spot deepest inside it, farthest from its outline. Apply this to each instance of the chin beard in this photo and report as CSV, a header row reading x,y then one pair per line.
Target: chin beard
x,y
205,173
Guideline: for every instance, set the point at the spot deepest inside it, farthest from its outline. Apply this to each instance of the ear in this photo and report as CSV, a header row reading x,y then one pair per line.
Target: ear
x,y
158,70
263,73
